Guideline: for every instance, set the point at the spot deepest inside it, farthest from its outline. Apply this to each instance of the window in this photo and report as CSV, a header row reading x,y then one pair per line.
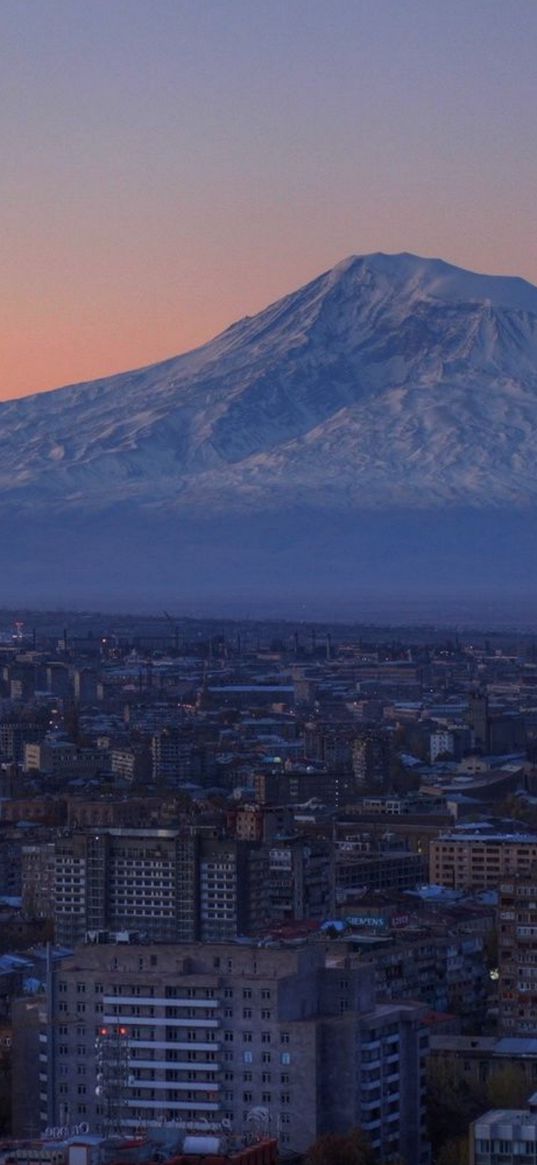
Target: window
x,y
266,1057
266,1037
266,993
247,1013
284,1037
285,1058
247,1097
266,1077
266,1015
248,1057
247,993
285,1098
246,1037
228,1037
247,1077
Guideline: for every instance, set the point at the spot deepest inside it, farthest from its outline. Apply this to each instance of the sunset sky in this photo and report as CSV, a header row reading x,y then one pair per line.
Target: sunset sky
x,y
168,166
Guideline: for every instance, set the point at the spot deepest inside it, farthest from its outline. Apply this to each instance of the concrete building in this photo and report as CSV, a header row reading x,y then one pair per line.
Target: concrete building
x,y
480,1060
476,857
300,880
198,1034
168,885
517,954
38,879
372,758
135,880
508,1136
232,892
441,743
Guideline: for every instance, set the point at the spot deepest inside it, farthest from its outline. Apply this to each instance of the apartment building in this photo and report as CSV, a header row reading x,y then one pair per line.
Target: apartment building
x,y
300,879
477,858
137,880
167,885
508,1136
197,1034
517,955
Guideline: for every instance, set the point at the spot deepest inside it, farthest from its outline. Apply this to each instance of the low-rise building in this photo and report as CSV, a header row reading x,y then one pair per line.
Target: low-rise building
x,y
507,1135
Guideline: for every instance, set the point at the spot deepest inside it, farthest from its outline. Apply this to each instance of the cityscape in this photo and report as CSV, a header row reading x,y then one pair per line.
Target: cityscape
x,y
260,884
268,563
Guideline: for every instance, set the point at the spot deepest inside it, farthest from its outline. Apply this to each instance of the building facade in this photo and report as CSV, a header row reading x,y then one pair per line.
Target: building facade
x,y
517,955
200,1034
474,859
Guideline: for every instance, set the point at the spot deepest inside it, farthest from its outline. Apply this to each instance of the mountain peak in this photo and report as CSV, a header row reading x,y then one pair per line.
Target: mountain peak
x,y
389,385
438,279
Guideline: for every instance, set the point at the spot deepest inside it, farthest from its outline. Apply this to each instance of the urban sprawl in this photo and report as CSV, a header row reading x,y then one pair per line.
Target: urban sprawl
x,y
266,894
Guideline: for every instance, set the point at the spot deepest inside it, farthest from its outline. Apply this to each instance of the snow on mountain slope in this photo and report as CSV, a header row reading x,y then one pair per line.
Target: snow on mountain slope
x,y
390,380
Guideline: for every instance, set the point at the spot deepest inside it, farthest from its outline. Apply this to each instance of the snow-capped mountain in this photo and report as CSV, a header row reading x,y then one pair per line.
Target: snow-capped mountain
x,y
389,386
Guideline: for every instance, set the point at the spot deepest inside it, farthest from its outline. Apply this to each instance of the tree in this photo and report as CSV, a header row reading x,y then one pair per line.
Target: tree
x,y
508,1088
454,1152
352,1148
452,1103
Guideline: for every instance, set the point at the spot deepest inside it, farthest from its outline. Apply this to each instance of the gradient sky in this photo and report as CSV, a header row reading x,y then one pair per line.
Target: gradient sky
x,y
168,166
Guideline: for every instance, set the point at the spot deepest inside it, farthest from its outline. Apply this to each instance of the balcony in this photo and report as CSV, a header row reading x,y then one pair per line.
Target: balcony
x,y
178,1085
176,1105
176,1045
177,1065
150,1001
158,1021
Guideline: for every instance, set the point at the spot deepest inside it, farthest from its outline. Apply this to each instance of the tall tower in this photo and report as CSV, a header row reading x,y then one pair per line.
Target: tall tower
x,y
478,719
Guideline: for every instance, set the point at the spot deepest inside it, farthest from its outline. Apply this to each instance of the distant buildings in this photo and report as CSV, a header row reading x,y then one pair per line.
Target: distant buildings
x,y
175,884
479,857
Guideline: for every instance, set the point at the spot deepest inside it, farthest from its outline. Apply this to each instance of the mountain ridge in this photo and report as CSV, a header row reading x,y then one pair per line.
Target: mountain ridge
x,y
391,386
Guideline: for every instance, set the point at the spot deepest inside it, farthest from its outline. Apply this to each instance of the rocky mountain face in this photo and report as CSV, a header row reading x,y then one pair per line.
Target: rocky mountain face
x,y
374,429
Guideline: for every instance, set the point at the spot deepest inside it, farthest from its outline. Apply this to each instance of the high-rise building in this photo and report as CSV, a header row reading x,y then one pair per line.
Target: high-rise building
x,y
372,758
478,720
517,954
198,1034
167,885
120,880
300,880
